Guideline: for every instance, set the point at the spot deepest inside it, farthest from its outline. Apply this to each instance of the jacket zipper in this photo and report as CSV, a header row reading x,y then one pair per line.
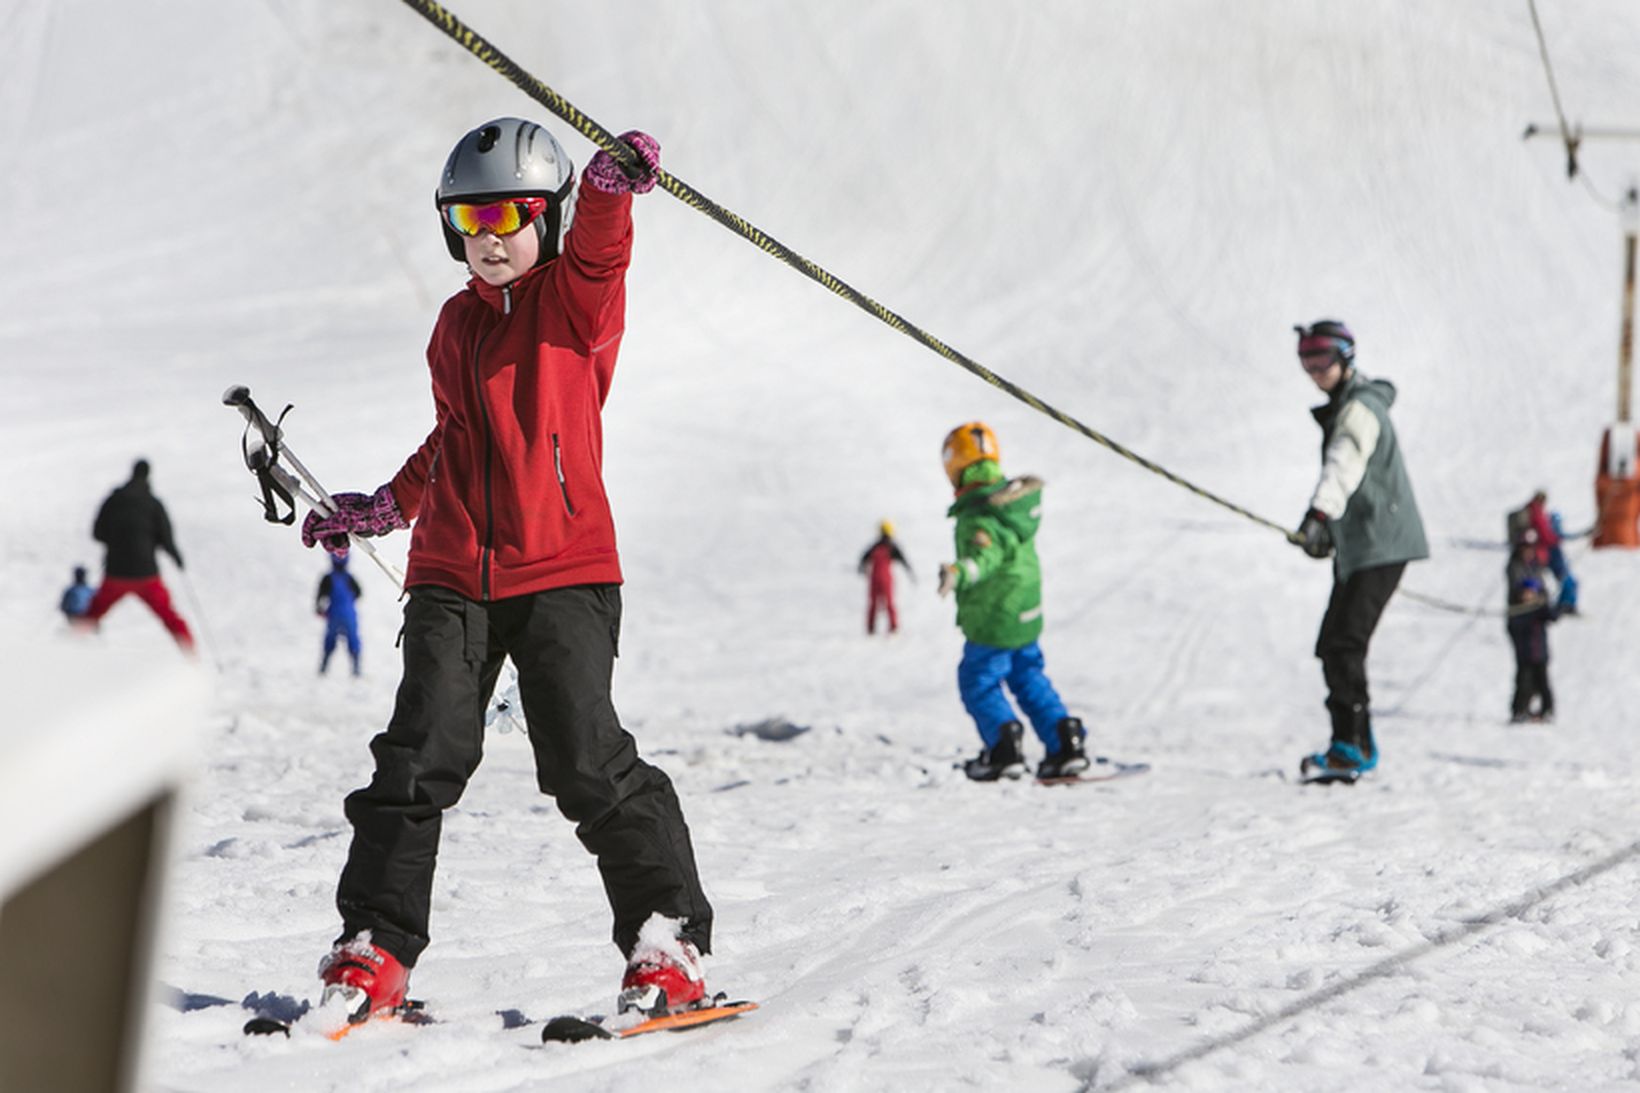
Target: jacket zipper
x,y
487,549
563,483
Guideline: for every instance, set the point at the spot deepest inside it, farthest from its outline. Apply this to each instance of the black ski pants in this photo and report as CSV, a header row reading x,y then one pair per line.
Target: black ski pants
x,y
1346,630
1530,637
563,644
1532,681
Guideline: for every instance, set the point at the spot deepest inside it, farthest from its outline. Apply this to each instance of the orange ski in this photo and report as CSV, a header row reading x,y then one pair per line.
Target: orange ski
x,y
575,1029
413,1012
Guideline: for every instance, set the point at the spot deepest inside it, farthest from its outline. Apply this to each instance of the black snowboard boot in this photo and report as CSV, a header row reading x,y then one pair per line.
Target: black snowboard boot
x,y
1352,725
1069,759
1361,723
1002,761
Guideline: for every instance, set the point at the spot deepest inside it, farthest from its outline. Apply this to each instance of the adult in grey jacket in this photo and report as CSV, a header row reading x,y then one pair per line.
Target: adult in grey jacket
x,y
1364,517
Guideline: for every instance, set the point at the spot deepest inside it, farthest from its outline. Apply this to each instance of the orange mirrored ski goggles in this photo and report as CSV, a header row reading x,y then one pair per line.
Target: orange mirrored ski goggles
x,y
500,217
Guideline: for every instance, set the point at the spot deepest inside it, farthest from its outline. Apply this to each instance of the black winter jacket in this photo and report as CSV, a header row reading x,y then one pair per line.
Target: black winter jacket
x,y
133,525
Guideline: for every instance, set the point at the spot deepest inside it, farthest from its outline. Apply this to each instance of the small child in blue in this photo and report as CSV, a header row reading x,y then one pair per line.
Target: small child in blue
x,y
338,592
77,596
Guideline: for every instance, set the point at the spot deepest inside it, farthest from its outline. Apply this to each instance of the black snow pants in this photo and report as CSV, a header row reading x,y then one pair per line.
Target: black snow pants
x,y
1346,630
1529,634
563,644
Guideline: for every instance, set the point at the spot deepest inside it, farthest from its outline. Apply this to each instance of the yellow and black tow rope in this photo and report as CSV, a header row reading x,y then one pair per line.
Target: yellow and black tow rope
x,y
562,108
480,47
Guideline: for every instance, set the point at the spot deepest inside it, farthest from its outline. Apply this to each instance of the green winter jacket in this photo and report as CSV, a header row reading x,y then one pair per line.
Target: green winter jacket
x,y
1378,523
999,581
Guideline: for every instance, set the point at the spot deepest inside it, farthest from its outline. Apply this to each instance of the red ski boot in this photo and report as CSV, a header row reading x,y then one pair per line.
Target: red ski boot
x,y
663,978
370,979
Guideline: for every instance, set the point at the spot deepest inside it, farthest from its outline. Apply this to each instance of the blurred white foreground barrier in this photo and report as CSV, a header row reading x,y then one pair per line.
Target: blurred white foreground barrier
x,y
94,743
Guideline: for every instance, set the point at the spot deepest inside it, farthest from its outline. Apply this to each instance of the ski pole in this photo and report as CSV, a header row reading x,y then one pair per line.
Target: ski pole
x,y
327,505
199,616
278,481
306,487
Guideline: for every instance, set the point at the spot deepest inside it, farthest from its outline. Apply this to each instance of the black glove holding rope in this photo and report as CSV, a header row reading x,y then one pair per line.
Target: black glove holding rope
x,y
1314,536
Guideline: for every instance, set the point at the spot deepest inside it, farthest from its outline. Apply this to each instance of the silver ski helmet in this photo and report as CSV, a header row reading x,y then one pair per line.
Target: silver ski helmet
x,y
510,157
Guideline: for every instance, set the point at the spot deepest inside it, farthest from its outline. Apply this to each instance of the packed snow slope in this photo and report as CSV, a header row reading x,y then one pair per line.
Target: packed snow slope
x,y
1121,207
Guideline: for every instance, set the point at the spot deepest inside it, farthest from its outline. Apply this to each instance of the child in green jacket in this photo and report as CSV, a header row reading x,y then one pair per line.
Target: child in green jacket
x,y
998,583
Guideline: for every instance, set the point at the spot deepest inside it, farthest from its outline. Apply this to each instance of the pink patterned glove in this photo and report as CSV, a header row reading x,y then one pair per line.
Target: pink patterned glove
x,y
604,173
356,513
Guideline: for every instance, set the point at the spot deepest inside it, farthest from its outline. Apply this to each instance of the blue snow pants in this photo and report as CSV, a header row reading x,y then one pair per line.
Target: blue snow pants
x,y
980,676
341,626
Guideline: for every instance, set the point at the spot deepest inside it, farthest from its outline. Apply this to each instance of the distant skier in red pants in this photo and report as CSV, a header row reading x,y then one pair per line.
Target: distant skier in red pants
x,y
878,563
134,526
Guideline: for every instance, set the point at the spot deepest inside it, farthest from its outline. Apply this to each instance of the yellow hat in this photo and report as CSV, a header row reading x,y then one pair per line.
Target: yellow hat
x,y
887,528
966,445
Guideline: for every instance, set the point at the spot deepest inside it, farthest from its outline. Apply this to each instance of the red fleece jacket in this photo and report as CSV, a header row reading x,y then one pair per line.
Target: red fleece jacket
x,y
507,491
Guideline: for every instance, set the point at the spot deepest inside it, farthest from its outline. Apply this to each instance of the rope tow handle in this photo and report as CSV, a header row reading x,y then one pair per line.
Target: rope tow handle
x,y
563,109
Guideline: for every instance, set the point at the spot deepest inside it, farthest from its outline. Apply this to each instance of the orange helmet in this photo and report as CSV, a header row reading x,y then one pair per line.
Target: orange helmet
x,y
966,445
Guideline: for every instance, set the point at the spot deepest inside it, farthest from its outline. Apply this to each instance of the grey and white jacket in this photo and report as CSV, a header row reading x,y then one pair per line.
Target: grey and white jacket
x,y
1364,490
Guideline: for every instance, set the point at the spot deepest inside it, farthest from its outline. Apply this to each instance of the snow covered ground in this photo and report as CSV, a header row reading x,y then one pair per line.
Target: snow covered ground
x,y
1121,207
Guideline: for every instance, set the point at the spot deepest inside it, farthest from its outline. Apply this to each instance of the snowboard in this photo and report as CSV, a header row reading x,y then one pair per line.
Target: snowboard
x,y
1102,769
570,1029
1311,773
1328,778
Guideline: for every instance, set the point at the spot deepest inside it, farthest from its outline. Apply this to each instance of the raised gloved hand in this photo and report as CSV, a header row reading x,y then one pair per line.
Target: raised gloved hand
x,y
1314,536
364,515
948,579
606,174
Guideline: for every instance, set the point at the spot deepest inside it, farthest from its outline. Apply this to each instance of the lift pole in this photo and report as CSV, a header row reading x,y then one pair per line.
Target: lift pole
x,y
1617,474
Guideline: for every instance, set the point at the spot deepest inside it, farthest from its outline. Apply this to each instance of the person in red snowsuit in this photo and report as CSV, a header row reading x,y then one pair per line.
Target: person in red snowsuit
x,y
878,565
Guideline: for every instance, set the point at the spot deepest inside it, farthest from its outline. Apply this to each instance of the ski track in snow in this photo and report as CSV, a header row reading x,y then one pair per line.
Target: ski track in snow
x,y
1123,208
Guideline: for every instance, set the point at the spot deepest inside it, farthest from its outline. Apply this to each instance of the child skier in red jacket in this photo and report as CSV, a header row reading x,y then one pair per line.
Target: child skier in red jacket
x,y
513,554
877,564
